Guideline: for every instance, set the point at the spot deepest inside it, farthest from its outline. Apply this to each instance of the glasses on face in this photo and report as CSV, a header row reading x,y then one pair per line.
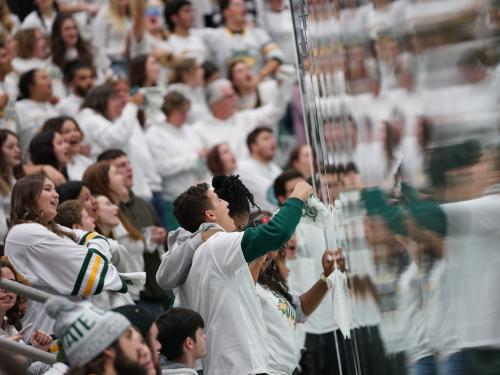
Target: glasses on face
x,y
152,12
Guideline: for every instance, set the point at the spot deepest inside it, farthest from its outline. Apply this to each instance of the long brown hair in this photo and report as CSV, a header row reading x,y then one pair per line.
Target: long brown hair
x,y
58,48
25,39
5,172
23,202
14,314
96,177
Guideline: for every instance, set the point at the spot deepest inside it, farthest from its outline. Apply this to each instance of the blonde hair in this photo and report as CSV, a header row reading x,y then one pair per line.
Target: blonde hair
x,y
117,20
5,17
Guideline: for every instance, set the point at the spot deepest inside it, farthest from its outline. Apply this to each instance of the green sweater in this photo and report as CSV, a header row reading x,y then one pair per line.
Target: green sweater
x,y
271,236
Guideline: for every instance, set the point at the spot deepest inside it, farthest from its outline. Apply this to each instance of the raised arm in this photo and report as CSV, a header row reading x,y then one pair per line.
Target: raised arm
x,y
265,238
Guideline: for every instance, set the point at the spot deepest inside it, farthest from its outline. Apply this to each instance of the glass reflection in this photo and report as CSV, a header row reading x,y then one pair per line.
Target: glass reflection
x,y
401,104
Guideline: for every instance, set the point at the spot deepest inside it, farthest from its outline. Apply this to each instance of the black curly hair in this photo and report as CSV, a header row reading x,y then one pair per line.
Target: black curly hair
x,y
232,190
272,279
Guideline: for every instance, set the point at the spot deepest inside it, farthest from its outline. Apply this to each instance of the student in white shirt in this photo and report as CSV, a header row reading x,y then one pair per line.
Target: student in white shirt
x,y
145,75
79,76
149,35
187,78
177,151
32,52
67,45
282,311
227,125
50,148
50,256
10,316
251,91
103,179
258,172
183,40
42,17
107,120
220,286
73,135
112,27
237,39
34,107
221,160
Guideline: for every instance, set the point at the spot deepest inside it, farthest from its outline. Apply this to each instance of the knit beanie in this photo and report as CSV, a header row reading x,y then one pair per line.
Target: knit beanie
x,y
84,330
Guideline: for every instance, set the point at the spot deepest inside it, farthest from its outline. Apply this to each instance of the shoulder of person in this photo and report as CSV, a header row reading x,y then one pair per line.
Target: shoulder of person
x,y
21,232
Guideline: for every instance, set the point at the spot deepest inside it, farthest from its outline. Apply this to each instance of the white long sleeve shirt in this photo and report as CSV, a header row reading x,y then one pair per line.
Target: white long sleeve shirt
x,y
126,134
110,38
31,116
70,105
60,266
235,129
175,154
104,134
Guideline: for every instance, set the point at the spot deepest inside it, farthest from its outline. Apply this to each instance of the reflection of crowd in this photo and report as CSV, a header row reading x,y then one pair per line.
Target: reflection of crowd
x,y
114,116
406,91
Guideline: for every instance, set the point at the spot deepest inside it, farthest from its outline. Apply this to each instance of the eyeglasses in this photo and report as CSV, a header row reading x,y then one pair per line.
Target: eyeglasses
x,y
152,12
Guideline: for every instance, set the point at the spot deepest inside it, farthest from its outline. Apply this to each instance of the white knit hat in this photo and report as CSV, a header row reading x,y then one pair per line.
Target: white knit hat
x,y
84,330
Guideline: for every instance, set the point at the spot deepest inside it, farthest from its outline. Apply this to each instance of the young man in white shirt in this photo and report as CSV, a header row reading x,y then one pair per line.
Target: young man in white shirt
x,y
258,172
79,76
231,126
34,108
179,16
220,286
176,148
237,39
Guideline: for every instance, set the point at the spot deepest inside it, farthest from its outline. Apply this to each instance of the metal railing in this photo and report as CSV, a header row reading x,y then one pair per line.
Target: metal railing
x,y
15,347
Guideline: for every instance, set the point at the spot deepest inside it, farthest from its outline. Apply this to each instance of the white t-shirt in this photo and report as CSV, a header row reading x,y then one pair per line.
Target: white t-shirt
x,y
221,288
280,318
32,20
259,177
191,46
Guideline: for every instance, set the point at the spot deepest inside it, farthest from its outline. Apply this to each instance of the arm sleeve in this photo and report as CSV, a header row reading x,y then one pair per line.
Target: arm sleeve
x,y
271,236
65,266
270,50
176,263
117,134
169,164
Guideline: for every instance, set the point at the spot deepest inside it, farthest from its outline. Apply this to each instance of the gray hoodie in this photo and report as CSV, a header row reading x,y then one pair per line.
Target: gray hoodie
x,y
177,369
176,262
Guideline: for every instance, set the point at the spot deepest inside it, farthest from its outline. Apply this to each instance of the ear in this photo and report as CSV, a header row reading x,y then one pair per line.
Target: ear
x,y
210,216
188,344
110,354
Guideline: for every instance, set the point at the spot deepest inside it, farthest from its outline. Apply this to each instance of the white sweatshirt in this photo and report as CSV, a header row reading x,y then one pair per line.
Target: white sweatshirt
x,y
60,266
31,116
175,154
